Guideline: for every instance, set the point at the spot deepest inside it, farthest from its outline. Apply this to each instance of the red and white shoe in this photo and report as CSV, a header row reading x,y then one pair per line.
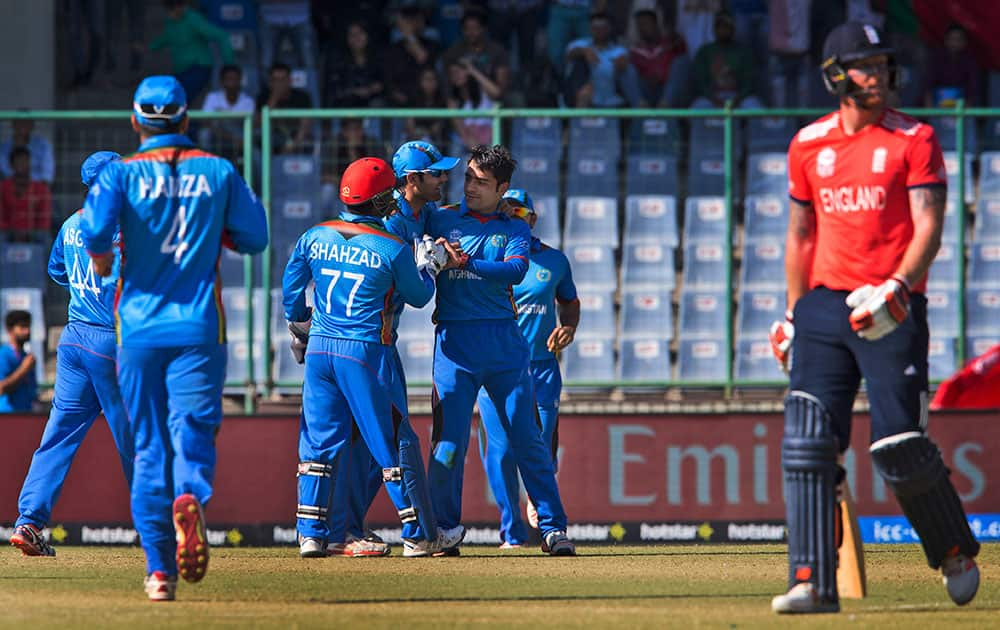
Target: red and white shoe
x,y
961,577
161,587
192,541
371,546
29,539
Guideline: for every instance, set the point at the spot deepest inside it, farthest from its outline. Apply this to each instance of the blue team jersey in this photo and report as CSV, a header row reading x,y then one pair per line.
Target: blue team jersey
x,y
359,268
91,297
408,225
21,397
177,206
549,279
498,249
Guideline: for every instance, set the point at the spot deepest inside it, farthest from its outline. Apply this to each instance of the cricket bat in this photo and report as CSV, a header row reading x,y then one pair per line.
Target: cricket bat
x,y
851,581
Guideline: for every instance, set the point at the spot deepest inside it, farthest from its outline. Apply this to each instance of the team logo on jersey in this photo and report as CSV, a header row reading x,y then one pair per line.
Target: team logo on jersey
x,y
455,234
825,162
878,160
543,275
498,240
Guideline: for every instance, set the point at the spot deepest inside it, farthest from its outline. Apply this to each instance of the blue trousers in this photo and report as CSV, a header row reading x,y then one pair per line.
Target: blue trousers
x,y
495,451
85,384
174,398
490,354
352,384
829,360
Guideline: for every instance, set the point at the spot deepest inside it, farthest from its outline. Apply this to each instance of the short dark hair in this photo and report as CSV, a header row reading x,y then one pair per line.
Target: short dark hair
x,y
17,318
280,66
474,13
166,130
230,67
19,151
494,159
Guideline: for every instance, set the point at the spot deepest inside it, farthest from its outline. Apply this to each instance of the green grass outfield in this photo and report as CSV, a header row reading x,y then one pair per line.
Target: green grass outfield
x,y
606,587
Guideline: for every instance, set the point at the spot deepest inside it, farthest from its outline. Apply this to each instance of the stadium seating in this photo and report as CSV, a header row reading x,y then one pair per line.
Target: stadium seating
x,y
292,214
590,360
231,14
704,265
647,265
949,231
754,361
591,220
286,370
652,137
944,269
763,264
766,135
295,175
706,175
951,166
767,174
989,173
982,311
941,357
976,345
236,364
537,172
702,314
415,323
984,265
705,219
231,268
651,219
756,311
766,216
591,173
593,266
651,175
588,134
281,249
647,315
417,356
701,360
597,310
529,134
24,265
234,302
644,360
942,311
548,226
988,219
946,129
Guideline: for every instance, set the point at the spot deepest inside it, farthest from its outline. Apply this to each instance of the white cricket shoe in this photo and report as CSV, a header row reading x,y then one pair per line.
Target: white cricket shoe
x,y
446,544
803,598
312,548
160,587
961,577
371,546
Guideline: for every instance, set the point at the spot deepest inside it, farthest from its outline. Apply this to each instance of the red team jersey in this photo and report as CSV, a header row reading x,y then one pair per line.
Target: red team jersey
x,y
858,186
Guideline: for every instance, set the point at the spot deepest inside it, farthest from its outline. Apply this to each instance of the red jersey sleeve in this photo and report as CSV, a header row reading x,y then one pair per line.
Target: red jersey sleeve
x,y
925,160
799,188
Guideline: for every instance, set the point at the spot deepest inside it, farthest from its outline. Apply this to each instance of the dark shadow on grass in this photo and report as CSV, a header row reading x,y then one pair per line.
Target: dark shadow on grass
x,y
538,598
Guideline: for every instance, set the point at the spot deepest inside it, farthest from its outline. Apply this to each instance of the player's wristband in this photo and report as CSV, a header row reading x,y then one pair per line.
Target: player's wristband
x,y
902,281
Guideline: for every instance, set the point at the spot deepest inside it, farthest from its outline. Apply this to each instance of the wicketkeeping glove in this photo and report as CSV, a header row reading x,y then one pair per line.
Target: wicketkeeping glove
x,y
781,335
300,337
879,310
429,255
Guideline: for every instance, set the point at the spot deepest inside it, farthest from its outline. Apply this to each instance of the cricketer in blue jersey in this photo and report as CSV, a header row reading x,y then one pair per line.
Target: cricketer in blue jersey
x,y
478,344
177,207
548,283
421,172
86,382
18,385
351,368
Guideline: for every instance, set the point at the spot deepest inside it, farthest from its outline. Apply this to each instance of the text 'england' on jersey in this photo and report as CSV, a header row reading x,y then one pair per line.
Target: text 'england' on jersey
x,y
177,207
358,269
91,297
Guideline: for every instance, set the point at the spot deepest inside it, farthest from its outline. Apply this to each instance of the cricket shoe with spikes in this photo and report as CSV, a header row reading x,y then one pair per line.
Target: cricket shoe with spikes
x,y
312,548
446,544
160,587
803,599
961,577
30,541
557,543
192,540
371,546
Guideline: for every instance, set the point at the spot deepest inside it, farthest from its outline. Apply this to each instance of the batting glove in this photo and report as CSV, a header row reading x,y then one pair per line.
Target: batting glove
x,y
879,310
429,255
781,335
300,337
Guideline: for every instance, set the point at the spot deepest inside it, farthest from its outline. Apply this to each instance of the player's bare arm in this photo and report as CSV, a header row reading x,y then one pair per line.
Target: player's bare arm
x,y
800,243
569,319
927,205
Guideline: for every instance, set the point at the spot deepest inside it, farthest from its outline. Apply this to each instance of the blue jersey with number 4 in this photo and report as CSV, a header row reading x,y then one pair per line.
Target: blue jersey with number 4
x,y
359,269
177,206
549,279
91,297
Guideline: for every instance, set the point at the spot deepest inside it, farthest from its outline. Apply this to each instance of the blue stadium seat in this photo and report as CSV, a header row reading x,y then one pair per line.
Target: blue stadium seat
x,y
705,219
236,364
982,311
231,14
976,345
702,314
644,360
548,226
984,265
942,311
941,357
591,360
651,219
763,264
946,129
756,311
706,137
535,133
647,265
29,299
589,134
701,360
765,135
417,356
767,174
295,174
652,136
651,175
293,214
647,315
944,270
593,266
281,250
704,265
287,370
537,172
706,176
415,323
591,173
24,265
597,309
234,301
766,216
591,220
988,219
949,231
231,268
951,166
754,361
989,173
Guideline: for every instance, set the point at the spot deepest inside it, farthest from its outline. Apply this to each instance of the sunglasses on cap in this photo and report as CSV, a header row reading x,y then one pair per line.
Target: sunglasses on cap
x,y
523,212
433,172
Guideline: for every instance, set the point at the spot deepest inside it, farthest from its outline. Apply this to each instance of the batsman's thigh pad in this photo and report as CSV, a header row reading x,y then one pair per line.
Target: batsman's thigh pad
x,y
912,467
809,458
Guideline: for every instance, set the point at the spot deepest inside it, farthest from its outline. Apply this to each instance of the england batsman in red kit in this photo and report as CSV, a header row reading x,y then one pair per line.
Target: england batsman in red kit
x,y
867,193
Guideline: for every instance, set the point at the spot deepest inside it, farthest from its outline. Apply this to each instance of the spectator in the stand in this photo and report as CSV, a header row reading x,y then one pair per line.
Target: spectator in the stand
x,y
430,96
353,74
568,21
752,24
18,386
352,144
288,135
520,17
188,36
406,58
953,73
43,166
25,205
695,20
723,70
466,92
225,137
659,57
595,67
789,42
477,52
330,25
136,10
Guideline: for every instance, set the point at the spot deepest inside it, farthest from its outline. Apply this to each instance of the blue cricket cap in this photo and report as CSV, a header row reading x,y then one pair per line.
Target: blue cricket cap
x,y
418,157
522,197
159,101
92,166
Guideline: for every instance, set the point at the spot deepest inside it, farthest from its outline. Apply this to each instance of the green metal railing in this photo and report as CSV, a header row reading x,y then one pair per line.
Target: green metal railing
x,y
729,115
